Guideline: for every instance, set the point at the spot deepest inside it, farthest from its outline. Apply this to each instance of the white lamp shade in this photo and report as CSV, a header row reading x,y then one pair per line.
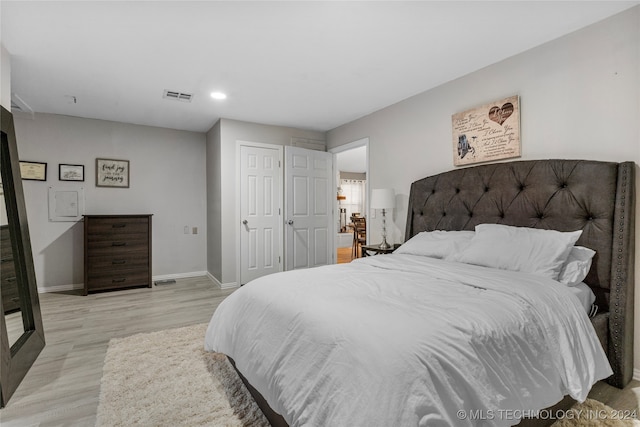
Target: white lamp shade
x,y
383,198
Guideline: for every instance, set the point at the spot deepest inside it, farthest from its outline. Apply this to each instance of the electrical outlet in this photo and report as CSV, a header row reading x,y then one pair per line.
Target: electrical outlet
x,y
186,229
195,230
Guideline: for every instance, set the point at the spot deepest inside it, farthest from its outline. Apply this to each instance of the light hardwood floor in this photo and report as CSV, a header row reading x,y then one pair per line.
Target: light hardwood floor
x,y
63,386
345,255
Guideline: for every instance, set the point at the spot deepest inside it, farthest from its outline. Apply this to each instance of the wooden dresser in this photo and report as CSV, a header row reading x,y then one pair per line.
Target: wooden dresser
x,y
9,284
117,252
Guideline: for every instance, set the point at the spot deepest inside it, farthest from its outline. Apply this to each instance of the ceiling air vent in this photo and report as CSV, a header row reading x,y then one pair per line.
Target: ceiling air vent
x,y
178,96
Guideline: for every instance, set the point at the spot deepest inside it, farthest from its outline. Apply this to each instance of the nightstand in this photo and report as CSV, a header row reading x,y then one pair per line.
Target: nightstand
x,y
369,250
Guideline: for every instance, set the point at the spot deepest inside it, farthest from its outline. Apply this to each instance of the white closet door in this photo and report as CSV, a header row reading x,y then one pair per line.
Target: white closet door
x,y
308,208
261,225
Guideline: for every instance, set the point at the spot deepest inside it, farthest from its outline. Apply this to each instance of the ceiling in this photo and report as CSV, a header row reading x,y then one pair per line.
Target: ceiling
x,y
353,160
310,65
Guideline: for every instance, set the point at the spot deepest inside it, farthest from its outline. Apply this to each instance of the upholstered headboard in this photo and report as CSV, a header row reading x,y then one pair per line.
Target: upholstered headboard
x,y
565,195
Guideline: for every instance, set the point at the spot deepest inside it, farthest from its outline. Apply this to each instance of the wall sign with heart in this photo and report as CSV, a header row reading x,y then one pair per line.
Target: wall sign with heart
x,y
487,133
499,115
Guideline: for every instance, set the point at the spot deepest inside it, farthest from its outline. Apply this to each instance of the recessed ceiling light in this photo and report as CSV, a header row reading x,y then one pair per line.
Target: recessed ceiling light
x,y
218,95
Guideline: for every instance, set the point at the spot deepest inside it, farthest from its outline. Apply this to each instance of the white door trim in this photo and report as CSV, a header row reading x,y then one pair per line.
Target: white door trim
x,y
280,149
363,142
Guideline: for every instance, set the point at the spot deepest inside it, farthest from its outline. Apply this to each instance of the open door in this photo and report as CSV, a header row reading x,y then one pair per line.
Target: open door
x,y
309,203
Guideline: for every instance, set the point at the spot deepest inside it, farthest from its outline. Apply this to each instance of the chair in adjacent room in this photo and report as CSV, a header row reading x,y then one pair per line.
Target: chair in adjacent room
x,y
359,235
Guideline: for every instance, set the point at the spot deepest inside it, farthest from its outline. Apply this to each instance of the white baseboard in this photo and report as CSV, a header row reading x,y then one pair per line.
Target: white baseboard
x,y
222,285
72,287
636,374
214,280
179,275
60,288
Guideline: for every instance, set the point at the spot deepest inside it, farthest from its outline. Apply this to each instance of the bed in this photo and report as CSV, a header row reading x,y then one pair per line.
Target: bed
x,y
404,339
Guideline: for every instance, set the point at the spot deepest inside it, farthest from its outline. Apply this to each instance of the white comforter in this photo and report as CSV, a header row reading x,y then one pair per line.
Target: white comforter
x,y
402,340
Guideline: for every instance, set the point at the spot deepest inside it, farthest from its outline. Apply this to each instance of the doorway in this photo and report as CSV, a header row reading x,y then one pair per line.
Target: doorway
x,y
351,174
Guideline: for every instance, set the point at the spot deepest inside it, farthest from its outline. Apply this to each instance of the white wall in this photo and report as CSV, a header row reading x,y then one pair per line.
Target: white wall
x,y
5,101
167,179
580,99
5,78
230,132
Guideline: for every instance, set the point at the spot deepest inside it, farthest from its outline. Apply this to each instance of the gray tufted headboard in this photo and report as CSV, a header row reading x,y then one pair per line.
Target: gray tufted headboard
x,y
565,195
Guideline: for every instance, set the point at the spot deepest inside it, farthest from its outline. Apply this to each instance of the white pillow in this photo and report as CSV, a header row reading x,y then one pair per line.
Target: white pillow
x,y
436,244
577,266
584,294
530,250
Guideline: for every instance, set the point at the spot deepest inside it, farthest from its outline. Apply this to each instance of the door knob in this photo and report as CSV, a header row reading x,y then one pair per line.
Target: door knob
x,y
290,222
245,222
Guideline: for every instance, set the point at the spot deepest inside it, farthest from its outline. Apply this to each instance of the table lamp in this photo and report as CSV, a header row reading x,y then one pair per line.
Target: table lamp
x,y
383,198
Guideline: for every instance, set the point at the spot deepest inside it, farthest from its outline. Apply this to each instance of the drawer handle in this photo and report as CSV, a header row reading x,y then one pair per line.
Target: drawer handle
x,y
10,279
119,261
118,280
119,244
15,299
7,259
118,225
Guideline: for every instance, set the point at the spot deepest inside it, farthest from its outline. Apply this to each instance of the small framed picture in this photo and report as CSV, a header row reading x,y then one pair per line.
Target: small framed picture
x,y
70,172
112,173
34,171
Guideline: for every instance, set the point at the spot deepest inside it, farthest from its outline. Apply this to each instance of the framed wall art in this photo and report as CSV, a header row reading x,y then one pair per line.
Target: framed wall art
x,y
487,133
70,172
112,173
34,171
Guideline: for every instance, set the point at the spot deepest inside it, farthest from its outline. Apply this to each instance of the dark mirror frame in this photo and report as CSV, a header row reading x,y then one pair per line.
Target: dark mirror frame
x,y
18,358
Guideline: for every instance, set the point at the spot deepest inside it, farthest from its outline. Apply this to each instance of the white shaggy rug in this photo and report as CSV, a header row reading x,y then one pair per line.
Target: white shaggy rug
x,y
592,413
166,378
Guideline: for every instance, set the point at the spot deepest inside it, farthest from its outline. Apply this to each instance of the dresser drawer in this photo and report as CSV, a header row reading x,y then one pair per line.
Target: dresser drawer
x,y
141,237
5,243
6,253
118,247
7,268
120,226
134,260
9,286
118,279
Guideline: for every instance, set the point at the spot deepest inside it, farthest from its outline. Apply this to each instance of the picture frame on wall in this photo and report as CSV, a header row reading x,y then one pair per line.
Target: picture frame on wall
x,y
33,171
112,173
68,172
487,133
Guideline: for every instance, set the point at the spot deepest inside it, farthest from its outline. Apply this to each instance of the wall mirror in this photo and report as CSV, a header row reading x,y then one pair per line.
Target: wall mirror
x,y
22,334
